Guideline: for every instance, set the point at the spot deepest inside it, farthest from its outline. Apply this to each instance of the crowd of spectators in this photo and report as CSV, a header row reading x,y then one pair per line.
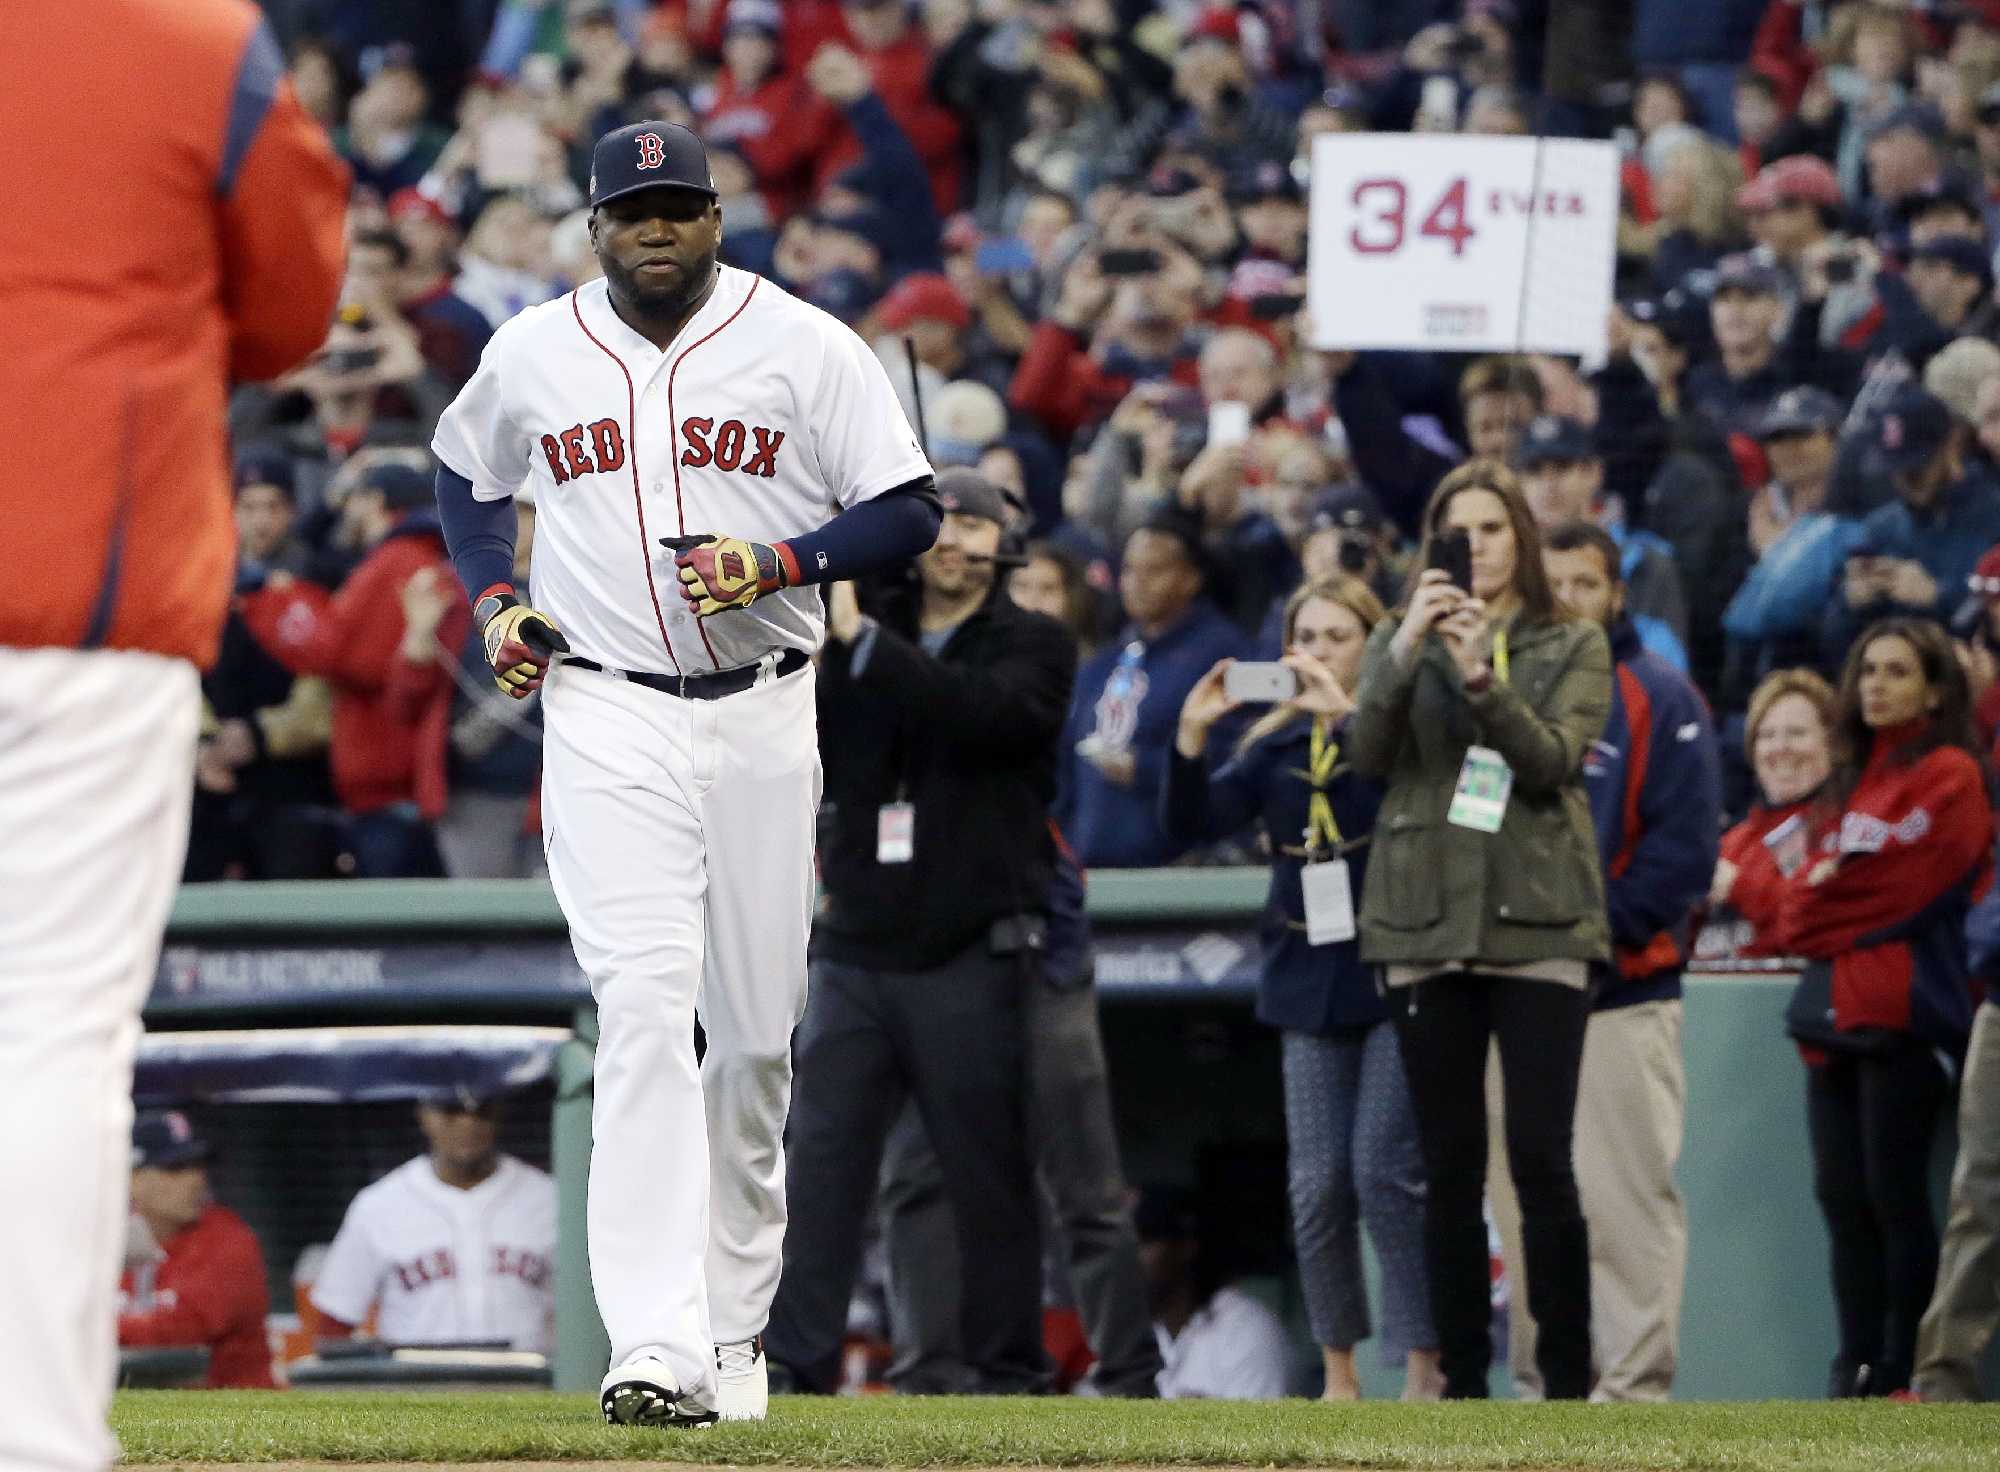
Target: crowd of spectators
x,y
1077,229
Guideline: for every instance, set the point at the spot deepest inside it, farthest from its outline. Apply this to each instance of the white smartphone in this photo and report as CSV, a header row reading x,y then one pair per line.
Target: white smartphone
x,y
1228,423
1259,682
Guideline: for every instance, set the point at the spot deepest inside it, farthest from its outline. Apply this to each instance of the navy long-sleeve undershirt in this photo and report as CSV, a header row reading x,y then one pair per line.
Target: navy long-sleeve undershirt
x,y
877,534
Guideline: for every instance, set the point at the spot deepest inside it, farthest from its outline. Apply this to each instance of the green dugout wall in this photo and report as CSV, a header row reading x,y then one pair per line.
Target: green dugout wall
x,y
1195,1078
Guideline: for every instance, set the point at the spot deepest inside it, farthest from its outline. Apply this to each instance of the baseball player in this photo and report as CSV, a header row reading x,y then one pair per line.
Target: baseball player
x,y
688,429
454,1247
125,326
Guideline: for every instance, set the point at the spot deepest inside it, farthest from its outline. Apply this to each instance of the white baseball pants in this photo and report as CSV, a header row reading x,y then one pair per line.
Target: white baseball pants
x,y
96,779
680,845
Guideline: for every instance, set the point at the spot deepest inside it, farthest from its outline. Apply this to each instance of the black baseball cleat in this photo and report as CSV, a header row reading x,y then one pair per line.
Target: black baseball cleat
x,y
645,1393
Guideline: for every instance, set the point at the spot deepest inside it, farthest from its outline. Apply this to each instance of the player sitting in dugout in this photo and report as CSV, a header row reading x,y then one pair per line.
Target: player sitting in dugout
x,y
194,1274
456,1247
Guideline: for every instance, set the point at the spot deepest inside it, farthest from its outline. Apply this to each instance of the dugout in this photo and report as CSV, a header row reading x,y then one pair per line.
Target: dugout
x,y
1195,1081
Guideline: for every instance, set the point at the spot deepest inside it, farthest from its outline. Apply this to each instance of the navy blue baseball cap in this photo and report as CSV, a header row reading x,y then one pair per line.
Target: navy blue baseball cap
x,y
1801,410
1960,253
1905,430
1552,437
167,1140
403,487
648,155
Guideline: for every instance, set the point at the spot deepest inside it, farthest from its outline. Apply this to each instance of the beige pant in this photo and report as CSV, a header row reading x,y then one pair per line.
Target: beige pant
x,y
1965,1308
96,768
1630,1110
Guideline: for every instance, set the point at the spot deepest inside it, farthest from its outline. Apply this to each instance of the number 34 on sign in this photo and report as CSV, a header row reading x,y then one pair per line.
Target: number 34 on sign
x,y
1461,243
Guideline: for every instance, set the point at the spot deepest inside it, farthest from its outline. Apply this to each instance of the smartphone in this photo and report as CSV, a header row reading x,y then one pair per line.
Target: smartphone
x,y
1275,308
1259,682
1128,262
1003,256
1452,551
1228,423
352,360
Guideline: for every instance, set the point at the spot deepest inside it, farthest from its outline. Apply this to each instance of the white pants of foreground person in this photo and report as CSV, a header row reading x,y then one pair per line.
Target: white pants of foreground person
x,y
96,779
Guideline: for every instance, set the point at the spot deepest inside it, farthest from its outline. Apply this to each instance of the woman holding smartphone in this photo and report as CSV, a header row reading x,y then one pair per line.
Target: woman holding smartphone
x,y
1351,1137
1484,899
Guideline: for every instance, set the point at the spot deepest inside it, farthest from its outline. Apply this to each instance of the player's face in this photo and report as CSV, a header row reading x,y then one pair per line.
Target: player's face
x,y
174,1195
657,247
461,1139
961,560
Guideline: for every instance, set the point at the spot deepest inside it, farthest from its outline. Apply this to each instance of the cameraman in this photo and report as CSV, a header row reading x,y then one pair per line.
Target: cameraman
x,y
938,726
1484,899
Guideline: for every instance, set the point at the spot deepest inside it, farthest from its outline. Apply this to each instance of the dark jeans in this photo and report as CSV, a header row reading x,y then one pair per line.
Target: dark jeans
x,y
1076,1150
1444,1024
951,1038
393,843
1872,1119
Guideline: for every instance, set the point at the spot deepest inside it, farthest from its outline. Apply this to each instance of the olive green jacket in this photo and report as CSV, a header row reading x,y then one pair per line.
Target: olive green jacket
x,y
1437,892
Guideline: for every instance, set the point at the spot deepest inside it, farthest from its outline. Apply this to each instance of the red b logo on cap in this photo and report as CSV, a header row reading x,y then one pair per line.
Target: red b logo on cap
x,y
652,150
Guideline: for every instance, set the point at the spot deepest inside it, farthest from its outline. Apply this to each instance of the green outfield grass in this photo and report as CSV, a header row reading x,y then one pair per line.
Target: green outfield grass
x,y
183,1427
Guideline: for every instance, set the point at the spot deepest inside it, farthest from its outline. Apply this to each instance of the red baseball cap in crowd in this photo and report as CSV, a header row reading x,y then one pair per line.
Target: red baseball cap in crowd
x,y
410,200
1799,179
925,294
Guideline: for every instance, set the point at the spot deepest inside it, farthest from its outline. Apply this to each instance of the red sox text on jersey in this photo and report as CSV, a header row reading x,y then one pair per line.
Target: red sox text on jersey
x,y
599,447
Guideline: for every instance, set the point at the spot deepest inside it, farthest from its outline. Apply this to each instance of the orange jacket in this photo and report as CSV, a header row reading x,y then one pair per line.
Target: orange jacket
x,y
173,222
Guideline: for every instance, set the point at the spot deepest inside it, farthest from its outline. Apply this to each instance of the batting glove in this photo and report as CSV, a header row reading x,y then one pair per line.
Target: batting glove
x,y
721,573
519,642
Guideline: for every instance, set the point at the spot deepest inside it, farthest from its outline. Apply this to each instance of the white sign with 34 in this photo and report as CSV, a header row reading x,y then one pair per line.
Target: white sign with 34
x,y
1472,244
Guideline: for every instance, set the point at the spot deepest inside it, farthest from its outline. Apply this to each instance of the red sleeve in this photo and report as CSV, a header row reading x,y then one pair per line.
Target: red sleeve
x,y
1055,378
1779,51
349,638
1759,888
1870,891
217,1284
801,123
282,206
408,689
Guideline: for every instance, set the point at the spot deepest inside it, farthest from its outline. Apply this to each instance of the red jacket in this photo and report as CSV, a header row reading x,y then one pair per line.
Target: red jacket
x,y
209,1290
121,342
902,74
1059,383
389,717
780,128
1759,890
1913,846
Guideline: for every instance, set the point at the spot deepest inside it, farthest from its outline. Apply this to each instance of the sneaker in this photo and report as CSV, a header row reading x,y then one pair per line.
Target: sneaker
x,y
742,1380
644,1392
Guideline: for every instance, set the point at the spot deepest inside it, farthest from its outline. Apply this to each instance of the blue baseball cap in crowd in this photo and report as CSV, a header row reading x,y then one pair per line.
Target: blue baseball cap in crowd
x,y
403,487
166,1139
1801,410
1745,272
1959,252
1906,429
648,155
1552,437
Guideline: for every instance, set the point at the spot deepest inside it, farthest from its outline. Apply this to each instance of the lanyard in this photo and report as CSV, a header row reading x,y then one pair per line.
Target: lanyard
x,y
1320,764
1500,655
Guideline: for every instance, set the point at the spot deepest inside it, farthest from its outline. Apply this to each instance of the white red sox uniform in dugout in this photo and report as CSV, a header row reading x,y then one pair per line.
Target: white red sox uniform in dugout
x,y
678,399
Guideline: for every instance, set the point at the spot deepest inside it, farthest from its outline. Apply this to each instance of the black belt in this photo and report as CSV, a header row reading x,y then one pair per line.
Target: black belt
x,y
712,685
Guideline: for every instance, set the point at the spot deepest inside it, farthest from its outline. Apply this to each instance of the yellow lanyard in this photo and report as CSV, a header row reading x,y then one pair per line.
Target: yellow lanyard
x,y
1500,655
1320,764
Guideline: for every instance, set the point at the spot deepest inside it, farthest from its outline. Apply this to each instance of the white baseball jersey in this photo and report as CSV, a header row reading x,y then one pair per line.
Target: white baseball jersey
x,y
448,1266
762,419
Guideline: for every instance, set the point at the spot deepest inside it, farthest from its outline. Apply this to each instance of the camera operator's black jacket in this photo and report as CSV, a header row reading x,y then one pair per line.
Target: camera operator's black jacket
x,y
969,738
